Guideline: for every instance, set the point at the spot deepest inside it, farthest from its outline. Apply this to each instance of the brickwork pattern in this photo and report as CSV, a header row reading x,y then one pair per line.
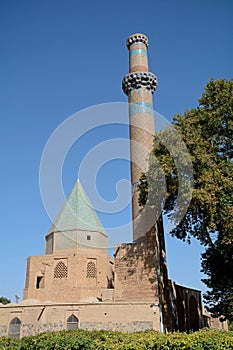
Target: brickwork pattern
x,y
130,327
135,270
139,85
140,59
68,277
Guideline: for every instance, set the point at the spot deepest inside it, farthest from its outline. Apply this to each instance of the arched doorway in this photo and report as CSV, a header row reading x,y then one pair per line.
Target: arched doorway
x,y
14,328
72,322
193,314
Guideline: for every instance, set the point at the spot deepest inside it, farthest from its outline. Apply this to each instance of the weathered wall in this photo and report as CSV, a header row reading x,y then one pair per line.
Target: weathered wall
x,y
189,308
127,317
135,270
68,277
187,311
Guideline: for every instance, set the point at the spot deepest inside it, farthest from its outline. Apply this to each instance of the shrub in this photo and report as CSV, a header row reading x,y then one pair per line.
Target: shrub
x,y
205,339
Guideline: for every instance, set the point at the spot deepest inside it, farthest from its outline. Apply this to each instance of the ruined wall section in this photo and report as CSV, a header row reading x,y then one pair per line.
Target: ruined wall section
x,y
135,270
189,308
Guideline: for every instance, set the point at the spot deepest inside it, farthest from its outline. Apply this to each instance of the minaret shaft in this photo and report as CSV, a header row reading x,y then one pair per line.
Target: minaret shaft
x,y
139,85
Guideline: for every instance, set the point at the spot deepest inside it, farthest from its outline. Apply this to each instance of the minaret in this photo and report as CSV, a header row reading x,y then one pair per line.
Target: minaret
x,y
139,85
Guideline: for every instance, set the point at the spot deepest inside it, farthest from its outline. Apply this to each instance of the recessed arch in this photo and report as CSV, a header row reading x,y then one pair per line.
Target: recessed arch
x,y
72,322
14,328
61,270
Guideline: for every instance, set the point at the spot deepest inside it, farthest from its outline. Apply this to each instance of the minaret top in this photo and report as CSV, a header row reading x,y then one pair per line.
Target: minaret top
x,y
135,38
139,76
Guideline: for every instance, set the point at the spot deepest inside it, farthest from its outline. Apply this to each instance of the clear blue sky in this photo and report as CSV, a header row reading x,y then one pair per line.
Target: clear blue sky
x,y
58,57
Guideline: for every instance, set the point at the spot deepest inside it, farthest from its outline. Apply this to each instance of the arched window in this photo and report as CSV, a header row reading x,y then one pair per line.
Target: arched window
x,y
72,322
14,328
60,270
91,269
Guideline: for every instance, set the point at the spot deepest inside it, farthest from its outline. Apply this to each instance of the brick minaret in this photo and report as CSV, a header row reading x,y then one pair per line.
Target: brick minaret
x,y
139,85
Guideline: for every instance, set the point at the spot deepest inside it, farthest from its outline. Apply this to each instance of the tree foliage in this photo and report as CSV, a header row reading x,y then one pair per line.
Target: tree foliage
x,y
4,300
199,201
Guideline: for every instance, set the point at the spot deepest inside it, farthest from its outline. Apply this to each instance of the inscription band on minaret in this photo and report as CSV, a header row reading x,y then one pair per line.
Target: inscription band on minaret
x,y
139,85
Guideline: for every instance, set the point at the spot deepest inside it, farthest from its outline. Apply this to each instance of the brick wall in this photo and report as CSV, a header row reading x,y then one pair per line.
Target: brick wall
x,y
135,270
67,277
127,317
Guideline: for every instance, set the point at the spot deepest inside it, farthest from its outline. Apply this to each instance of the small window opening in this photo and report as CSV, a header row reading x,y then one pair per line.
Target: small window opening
x,y
14,328
39,282
88,237
72,322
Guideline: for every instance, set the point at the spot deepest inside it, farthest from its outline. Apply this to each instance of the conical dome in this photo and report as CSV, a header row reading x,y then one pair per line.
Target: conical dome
x,y
77,224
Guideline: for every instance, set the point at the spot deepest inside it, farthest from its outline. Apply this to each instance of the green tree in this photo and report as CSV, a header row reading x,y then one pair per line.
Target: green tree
x,y
4,301
206,211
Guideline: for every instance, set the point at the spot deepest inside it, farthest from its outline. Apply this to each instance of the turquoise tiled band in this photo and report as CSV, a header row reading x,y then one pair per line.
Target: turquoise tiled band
x,y
141,107
133,52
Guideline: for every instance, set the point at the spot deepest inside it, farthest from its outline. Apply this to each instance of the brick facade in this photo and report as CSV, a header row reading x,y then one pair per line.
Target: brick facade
x,y
39,317
70,276
135,270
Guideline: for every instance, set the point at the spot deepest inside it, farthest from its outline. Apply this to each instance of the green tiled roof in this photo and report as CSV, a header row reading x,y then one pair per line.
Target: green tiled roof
x,y
77,213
